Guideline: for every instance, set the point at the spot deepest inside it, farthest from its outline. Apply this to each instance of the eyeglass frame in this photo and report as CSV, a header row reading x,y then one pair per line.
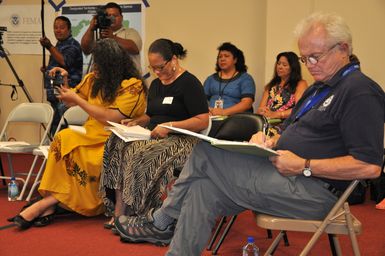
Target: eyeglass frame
x,y
314,59
160,68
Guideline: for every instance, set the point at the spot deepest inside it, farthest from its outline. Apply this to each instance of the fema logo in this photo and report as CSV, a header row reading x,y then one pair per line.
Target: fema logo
x,y
15,19
326,103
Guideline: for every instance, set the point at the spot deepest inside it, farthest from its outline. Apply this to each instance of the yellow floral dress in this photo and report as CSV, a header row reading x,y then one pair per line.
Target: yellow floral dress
x,y
74,162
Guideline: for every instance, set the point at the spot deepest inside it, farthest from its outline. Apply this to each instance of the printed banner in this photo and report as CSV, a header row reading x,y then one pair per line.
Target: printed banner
x,y
23,25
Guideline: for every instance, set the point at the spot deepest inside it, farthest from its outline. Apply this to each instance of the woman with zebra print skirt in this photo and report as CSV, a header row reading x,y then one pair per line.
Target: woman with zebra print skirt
x,y
135,174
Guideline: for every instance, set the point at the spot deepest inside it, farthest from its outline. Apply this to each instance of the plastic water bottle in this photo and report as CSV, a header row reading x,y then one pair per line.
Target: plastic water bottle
x,y
250,249
13,190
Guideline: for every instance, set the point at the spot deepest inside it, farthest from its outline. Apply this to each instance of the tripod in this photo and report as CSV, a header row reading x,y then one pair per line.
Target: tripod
x,y
19,81
96,35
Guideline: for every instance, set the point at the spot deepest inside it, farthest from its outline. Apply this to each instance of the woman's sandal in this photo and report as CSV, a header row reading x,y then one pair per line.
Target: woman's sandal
x,y
110,224
43,221
28,204
22,223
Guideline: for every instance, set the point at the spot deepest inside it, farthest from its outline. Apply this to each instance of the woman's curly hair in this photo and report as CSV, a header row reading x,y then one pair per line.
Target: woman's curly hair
x,y
113,65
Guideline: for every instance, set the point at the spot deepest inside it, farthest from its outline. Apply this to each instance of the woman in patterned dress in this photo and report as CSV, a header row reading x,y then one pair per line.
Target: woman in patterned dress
x,y
112,92
284,90
135,174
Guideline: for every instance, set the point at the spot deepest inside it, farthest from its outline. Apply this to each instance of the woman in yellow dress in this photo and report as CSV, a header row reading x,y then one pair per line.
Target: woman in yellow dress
x,y
112,92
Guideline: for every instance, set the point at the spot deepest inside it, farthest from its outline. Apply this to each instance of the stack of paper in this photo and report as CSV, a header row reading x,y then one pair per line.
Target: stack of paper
x,y
235,146
130,133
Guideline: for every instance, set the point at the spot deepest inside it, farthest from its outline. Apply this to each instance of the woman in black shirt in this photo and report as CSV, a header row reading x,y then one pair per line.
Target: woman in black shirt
x,y
135,174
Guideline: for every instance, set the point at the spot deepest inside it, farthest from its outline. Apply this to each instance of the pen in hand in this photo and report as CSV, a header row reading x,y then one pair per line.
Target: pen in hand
x,y
265,131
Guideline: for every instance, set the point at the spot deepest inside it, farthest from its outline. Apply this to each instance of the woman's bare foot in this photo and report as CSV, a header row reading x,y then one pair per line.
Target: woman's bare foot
x,y
44,206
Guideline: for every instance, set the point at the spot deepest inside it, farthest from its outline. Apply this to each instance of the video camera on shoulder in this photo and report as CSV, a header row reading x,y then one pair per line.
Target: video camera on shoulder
x,y
51,83
103,21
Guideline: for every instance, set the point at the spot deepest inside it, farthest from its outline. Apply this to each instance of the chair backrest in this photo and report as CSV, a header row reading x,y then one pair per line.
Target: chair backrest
x,y
240,127
32,113
73,116
76,115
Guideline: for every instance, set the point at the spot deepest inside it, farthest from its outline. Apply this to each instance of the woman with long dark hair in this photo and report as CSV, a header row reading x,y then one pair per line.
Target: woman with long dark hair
x,y
285,88
112,92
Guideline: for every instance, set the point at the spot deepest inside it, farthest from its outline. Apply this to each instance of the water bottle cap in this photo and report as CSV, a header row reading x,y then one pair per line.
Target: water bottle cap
x,y
250,239
13,178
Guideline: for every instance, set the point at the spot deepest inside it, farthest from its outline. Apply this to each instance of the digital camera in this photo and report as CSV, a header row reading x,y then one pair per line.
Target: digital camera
x,y
51,83
103,21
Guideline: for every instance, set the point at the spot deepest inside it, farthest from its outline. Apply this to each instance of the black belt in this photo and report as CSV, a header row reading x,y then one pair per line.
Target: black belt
x,y
332,189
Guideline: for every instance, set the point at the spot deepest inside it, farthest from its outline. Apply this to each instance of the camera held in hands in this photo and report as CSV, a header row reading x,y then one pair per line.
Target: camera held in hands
x,y
51,84
103,21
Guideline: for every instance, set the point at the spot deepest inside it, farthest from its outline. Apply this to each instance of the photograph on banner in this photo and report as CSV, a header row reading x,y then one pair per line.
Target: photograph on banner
x,y
24,29
81,15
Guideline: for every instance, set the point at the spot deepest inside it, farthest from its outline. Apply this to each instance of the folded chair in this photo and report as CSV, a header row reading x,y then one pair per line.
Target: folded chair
x,y
338,221
238,127
36,113
72,116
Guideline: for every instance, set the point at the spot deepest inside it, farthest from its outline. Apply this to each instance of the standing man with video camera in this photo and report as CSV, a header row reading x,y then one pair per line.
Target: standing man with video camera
x,y
109,23
66,54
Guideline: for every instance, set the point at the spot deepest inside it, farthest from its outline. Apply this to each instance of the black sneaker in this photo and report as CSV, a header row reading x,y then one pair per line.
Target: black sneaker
x,y
139,229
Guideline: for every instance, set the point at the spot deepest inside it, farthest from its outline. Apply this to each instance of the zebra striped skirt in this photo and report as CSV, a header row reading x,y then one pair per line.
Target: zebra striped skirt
x,y
142,169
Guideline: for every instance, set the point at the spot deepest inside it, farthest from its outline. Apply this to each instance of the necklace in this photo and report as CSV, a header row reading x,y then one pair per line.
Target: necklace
x,y
178,73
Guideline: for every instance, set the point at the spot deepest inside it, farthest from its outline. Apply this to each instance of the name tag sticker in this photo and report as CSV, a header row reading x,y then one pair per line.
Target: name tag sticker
x,y
168,100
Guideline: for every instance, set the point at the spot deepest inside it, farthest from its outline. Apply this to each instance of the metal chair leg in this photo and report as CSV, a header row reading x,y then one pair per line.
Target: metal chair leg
x,y
332,244
224,234
285,239
269,234
352,234
37,180
2,171
274,244
216,233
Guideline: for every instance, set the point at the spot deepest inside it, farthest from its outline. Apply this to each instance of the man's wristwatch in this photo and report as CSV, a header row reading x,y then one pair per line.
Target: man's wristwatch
x,y
307,170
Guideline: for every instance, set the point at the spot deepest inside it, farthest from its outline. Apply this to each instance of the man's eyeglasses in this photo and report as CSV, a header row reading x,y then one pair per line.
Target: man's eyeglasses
x,y
159,68
315,59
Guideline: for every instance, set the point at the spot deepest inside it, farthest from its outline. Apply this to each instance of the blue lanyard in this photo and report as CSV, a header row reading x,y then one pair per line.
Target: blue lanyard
x,y
221,91
314,99
320,94
350,69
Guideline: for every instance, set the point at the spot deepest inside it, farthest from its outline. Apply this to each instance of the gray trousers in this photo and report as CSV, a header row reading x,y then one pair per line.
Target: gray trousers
x,y
216,182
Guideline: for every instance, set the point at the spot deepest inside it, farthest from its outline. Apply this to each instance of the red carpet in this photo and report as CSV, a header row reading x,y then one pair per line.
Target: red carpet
x,y
76,235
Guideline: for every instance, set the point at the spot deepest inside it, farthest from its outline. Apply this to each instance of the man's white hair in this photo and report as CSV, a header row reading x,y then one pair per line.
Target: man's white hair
x,y
336,28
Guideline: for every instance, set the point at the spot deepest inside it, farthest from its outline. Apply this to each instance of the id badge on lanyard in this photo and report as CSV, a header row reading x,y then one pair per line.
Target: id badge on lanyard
x,y
219,103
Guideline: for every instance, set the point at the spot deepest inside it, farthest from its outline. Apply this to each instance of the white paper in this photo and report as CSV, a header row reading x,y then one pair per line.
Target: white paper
x,y
236,146
184,131
130,133
13,143
117,132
